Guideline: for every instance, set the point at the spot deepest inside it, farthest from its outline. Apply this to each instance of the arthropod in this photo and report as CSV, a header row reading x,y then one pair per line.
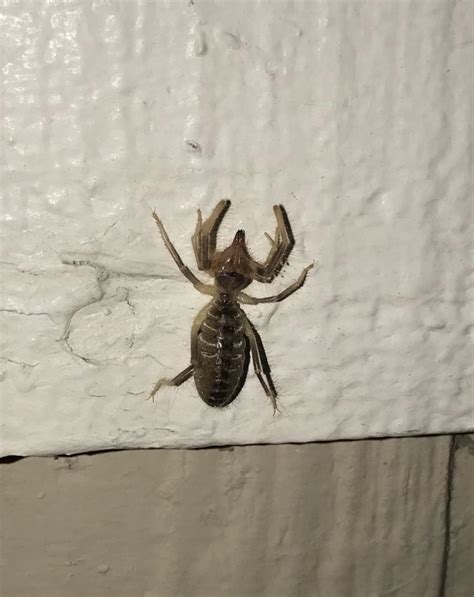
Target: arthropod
x,y
222,336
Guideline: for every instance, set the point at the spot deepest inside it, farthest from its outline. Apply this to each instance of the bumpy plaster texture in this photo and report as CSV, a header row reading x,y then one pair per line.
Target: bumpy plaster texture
x,y
354,115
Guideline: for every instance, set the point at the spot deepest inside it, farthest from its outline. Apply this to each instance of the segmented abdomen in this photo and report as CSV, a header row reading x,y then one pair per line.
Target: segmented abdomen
x,y
222,355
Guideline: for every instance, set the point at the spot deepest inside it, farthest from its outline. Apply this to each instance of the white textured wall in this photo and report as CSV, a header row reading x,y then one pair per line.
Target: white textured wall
x,y
354,115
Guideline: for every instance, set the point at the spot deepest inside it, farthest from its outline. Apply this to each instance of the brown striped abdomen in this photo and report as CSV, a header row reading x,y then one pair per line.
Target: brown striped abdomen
x,y
222,355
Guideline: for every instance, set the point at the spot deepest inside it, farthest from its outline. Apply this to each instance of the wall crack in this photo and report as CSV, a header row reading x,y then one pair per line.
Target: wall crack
x,y
27,314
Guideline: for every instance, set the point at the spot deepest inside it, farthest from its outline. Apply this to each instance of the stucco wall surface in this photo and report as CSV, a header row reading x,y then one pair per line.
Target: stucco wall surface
x,y
353,115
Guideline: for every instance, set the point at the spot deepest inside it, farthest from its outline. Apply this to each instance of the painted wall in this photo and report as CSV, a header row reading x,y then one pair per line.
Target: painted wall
x,y
353,115
342,519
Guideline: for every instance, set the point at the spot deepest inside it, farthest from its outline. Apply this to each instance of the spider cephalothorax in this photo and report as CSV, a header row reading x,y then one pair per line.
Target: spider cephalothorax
x,y
232,268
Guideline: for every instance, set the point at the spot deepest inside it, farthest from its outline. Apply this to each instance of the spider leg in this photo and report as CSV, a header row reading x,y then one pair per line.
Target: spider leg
x,y
205,236
260,362
184,269
276,298
176,381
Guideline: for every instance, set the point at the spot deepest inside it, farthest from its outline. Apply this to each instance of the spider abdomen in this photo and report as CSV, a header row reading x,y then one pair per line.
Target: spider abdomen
x,y
222,353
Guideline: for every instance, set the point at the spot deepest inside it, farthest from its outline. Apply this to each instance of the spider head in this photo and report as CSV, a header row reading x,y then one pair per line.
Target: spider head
x,y
233,266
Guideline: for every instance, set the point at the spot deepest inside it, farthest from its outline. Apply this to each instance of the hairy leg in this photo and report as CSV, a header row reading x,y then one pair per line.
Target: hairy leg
x,y
204,288
260,363
276,298
176,381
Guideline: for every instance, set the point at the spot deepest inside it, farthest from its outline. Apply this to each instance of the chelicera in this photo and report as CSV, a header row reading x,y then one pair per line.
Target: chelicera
x,y
222,336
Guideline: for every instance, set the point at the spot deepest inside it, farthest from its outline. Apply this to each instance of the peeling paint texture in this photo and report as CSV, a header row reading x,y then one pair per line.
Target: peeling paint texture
x,y
355,116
